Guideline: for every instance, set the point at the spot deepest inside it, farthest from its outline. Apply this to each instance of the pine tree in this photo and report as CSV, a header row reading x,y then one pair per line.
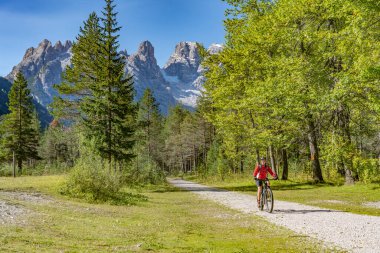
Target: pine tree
x,y
113,108
149,122
96,90
19,133
80,78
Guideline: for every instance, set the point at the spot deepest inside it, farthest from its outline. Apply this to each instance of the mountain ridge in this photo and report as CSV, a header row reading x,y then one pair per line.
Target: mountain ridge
x,y
178,81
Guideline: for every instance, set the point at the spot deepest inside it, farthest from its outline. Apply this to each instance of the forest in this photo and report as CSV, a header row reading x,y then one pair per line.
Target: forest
x,y
297,82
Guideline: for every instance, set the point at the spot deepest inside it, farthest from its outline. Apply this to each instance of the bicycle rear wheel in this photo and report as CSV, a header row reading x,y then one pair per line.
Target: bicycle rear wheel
x,y
269,201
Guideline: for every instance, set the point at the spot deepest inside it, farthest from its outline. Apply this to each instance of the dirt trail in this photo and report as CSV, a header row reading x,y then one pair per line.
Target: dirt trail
x,y
352,232
11,213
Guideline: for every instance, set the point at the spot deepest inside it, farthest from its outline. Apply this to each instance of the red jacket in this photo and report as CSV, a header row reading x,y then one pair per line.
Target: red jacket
x,y
261,172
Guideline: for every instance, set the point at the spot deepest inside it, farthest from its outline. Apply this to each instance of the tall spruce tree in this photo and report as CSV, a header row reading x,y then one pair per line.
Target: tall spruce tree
x,y
113,106
80,78
150,124
19,127
96,90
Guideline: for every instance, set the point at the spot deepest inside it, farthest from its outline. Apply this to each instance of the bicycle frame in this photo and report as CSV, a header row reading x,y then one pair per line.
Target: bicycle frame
x,y
264,199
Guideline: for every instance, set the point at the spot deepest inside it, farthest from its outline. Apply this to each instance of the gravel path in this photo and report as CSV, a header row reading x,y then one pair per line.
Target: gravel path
x,y
352,232
373,204
9,213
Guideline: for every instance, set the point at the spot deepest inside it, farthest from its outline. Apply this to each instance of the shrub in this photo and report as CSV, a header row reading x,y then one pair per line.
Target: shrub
x,y
89,180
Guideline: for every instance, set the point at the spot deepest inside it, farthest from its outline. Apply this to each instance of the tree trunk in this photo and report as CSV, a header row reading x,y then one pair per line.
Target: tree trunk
x,y
19,165
285,165
258,156
272,159
348,176
314,154
184,167
241,165
343,117
14,164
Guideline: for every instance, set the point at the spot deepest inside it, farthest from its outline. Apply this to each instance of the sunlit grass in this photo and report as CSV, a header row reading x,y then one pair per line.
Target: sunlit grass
x,y
170,221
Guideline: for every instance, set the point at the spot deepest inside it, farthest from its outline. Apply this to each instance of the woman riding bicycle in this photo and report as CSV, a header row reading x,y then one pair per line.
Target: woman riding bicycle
x,y
260,174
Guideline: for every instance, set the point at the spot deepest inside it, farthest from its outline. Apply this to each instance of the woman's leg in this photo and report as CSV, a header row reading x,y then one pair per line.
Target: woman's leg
x,y
259,190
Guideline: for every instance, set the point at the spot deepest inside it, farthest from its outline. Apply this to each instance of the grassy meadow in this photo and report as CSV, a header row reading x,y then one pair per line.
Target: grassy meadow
x,y
170,220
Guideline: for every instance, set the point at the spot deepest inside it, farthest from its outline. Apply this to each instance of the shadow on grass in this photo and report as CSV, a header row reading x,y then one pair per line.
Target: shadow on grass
x,y
190,188
118,199
125,198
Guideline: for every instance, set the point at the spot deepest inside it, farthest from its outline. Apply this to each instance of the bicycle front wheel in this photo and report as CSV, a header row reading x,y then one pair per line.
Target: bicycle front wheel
x,y
269,200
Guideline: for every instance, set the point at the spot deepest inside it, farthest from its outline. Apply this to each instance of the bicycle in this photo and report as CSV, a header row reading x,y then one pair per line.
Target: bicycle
x,y
266,197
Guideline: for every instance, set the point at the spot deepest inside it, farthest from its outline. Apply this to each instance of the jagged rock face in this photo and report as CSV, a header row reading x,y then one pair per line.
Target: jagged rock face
x,y
147,74
42,67
184,62
180,80
185,73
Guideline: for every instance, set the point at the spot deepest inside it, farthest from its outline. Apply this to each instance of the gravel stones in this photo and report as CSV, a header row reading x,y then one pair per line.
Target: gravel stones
x,y
9,212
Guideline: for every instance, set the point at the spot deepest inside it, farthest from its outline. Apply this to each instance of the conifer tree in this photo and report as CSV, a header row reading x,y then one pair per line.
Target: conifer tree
x,y
113,106
19,133
97,90
80,78
150,124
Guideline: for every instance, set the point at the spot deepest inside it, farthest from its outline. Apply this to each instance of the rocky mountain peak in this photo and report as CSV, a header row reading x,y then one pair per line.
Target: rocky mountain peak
x,y
187,50
29,52
42,67
58,45
184,62
44,43
146,49
68,44
144,58
147,74
181,79
215,48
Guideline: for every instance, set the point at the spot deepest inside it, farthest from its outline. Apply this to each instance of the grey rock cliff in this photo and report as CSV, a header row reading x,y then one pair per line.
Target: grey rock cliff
x,y
147,74
184,72
42,67
180,80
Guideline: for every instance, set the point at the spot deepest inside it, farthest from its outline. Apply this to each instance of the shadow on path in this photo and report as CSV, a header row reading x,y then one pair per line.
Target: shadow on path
x,y
292,211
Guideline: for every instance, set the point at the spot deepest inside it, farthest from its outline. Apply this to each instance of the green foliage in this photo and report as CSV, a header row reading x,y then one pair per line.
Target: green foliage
x,y
150,126
59,145
368,169
96,91
79,79
5,86
212,158
91,181
20,128
144,170
148,165
297,74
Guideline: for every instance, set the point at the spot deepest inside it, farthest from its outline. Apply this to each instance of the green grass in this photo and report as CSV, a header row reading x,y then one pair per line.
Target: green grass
x,y
328,195
170,221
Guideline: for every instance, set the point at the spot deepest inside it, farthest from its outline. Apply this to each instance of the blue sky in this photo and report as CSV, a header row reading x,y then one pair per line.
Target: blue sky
x,y
25,23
